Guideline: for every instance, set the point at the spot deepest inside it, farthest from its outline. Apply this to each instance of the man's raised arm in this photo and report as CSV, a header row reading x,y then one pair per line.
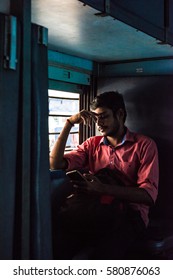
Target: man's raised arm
x,y
57,160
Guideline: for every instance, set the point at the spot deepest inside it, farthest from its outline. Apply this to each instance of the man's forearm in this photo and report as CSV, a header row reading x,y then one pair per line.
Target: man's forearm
x,y
129,194
57,160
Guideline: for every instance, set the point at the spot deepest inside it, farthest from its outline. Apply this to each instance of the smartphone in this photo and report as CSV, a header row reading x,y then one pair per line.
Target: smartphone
x,y
75,175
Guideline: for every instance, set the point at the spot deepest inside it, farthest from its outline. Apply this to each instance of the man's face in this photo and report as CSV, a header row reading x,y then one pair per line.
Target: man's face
x,y
107,123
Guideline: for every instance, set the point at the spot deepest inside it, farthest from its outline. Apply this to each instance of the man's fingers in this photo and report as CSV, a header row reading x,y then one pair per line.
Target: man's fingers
x,y
87,117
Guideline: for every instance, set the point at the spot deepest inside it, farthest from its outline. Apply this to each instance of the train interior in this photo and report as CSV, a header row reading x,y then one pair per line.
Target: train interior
x,y
83,47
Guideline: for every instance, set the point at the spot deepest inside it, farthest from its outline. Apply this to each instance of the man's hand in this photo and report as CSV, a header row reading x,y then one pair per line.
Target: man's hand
x,y
91,184
83,116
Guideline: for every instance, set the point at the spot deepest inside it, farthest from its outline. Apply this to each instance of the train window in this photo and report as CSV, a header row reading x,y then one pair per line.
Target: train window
x,y
61,106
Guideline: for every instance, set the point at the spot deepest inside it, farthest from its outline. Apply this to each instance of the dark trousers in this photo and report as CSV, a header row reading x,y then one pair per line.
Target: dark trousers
x,y
83,228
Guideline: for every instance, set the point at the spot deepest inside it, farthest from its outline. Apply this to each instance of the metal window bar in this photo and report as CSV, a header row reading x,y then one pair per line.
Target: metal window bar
x,y
66,98
57,133
88,95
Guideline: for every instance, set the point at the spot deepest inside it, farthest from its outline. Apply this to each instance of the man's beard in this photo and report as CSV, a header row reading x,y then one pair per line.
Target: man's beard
x,y
111,133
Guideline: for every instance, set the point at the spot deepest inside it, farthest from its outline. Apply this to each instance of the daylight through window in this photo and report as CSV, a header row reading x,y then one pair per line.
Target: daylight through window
x,y
61,106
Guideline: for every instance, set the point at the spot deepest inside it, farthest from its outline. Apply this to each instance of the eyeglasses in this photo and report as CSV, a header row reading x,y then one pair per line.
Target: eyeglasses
x,y
98,117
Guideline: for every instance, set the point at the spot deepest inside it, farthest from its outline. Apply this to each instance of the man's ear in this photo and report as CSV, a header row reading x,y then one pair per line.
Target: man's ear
x,y
120,114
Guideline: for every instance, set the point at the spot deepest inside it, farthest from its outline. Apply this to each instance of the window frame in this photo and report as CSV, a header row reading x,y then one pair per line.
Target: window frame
x,y
61,97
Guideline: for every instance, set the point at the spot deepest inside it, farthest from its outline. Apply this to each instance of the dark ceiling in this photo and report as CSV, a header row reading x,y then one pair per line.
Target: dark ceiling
x,y
74,28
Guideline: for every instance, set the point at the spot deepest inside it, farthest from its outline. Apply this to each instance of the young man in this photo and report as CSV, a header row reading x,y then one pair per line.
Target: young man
x,y
120,214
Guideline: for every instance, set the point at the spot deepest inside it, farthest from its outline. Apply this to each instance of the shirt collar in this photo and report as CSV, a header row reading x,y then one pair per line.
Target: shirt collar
x,y
129,136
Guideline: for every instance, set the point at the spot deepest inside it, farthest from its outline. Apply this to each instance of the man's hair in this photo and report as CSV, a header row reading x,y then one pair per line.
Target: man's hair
x,y
110,99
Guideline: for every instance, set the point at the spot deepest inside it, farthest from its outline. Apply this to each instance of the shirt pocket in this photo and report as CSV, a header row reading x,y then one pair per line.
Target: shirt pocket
x,y
130,168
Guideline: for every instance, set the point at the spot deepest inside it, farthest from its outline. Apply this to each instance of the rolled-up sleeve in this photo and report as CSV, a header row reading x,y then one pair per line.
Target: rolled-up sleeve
x,y
148,173
78,159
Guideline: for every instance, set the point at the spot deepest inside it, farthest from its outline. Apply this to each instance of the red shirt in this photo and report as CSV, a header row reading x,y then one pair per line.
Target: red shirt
x,y
136,158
